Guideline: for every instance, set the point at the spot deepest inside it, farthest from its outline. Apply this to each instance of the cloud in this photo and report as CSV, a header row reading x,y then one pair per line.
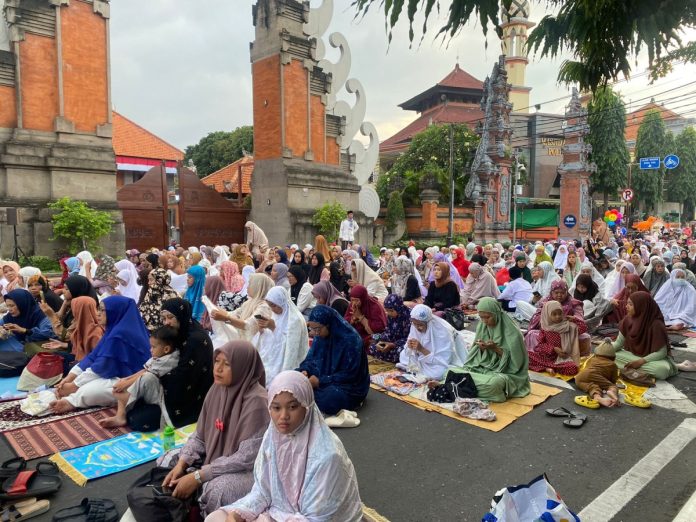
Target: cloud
x,y
181,69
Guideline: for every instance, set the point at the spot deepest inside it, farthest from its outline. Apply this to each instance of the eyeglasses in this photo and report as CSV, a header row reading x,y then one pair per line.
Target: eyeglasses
x,y
314,329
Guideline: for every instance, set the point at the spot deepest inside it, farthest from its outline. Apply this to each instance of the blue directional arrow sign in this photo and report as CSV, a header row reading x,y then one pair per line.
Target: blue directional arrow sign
x,y
671,161
650,163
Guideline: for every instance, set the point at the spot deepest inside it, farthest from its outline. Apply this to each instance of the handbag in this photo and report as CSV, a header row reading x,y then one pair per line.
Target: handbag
x,y
149,503
455,317
456,386
637,376
43,369
12,363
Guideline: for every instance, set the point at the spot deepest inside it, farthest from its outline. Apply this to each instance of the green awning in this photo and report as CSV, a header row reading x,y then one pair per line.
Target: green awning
x,y
537,218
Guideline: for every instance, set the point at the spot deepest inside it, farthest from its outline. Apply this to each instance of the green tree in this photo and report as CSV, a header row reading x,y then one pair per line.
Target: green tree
x,y
219,149
395,211
607,120
650,142
681,181
328,220
603,37
429,151
79,224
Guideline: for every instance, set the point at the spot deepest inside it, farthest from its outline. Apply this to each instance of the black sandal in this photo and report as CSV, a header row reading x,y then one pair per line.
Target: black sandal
x,y
44,480
89,510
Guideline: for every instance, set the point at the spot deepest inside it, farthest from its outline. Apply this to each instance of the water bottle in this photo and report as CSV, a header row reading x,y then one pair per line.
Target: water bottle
x,y
168,436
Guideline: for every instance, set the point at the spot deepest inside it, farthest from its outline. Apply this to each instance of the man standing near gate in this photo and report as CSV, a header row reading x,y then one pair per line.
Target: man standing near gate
x,y
348,229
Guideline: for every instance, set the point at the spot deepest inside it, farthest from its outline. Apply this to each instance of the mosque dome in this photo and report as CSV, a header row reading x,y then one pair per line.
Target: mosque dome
x,y
518,9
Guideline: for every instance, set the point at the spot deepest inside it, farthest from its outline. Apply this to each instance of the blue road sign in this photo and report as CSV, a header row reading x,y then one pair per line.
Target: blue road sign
x,y
671,161
570,221
649,163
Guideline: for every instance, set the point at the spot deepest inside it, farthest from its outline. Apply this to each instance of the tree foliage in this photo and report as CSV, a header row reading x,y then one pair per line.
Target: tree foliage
x,y
219,149
681,182
79,224
651,141
607,120
395,211
328,220
603,37
429,152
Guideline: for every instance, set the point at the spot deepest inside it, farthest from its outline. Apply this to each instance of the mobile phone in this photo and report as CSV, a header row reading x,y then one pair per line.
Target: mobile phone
x,y
43,298
162,491
259,317
402,379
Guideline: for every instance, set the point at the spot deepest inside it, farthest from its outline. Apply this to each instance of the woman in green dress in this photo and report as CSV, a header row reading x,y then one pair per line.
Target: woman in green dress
x,y
643,342
498,361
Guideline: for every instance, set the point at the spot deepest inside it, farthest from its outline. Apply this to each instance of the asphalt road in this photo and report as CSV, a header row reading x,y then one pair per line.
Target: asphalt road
x,y
419,466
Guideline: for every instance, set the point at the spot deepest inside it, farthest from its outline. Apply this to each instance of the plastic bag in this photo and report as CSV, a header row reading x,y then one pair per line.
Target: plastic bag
x,y
36,404
533,502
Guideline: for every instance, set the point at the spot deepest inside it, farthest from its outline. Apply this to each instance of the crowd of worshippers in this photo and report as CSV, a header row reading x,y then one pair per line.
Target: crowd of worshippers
x,y
266,347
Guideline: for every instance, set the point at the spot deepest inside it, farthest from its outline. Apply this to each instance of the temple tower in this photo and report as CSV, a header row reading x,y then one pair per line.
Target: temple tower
x,y
575,171
303,150
490,182
515,26
55,116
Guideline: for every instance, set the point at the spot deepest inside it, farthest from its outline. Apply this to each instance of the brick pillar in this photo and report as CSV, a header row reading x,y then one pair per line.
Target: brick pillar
x,y
576,204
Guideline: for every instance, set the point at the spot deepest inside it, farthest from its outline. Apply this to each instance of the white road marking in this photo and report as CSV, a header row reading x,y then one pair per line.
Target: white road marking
x,y
620,493
667,396
688,512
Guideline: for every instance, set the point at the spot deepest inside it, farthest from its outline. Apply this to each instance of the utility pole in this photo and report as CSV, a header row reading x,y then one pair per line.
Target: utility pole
x,y
450,228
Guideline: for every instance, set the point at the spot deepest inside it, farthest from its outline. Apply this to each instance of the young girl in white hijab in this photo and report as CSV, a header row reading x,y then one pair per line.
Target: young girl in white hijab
x,y
302,471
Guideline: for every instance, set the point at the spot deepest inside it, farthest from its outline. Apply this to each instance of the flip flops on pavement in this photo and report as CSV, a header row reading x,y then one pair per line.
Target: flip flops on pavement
x,y
573,419
343,419
24,509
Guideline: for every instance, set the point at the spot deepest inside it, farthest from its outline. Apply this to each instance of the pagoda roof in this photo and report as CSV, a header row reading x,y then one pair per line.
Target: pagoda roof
x,y
458,81
442,114
132,140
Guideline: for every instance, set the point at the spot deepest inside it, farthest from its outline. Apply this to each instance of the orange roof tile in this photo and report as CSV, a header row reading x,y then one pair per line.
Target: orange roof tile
x,y
226,179
130,139
635,118
461,79
453,113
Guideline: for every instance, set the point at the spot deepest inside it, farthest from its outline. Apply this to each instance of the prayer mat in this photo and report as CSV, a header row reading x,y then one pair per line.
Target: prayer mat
x,y
555,375
13,418
8,389
108,457
370,515
389,381
506,412
376,366
688,333
51,437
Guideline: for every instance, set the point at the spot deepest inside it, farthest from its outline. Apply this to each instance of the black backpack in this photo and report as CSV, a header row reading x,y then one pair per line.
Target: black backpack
x,y
12,363
457,385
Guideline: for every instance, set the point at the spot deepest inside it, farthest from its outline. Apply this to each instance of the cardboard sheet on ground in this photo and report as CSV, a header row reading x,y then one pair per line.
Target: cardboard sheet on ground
x,y
506,412
115,455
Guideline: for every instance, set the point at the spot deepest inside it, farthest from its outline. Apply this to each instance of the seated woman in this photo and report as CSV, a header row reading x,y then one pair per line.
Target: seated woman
x,y
558,348
404,282
244,318
571,307
214,286
301,290
388,345
572,268
643,342
219,457
299,260
365,314
336,364
282,339
158,291
326,294
41,291
460,262
363,275
196,285
317,483
516,290
619,281
479,284
633,283
104,275
595,306
521,263
121,352
10,276
279,274
656,276
430,347
317,269
86,331
230,300
443,293
339,279
498,359
677,301
24,326
495,263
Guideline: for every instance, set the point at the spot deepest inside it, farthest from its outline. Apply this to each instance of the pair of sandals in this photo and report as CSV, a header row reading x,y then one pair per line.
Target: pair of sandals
x,y
343,419
17,482
23,509
573,419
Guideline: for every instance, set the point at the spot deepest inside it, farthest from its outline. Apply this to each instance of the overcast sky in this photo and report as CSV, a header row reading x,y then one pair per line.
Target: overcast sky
x,y
181,68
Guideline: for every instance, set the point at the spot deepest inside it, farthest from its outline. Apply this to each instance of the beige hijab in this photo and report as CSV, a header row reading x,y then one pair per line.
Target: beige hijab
x,y
259,285
364,275
570,343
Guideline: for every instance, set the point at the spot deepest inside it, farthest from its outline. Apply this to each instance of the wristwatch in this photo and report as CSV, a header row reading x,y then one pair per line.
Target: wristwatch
x,y
197,476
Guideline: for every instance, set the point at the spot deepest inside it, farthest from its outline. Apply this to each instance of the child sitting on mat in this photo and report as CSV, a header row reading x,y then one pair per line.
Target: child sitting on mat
x,y
599,377
145,384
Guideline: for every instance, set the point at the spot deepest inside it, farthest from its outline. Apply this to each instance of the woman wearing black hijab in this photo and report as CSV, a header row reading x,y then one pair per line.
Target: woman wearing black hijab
x,y
299,260
75,286
186,386
317,268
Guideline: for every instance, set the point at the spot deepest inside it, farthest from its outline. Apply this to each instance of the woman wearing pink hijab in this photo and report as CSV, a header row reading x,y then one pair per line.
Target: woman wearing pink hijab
x,y
302,471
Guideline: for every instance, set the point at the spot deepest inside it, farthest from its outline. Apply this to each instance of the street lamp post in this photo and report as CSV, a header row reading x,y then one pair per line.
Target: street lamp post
x,y
450,228
518,168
